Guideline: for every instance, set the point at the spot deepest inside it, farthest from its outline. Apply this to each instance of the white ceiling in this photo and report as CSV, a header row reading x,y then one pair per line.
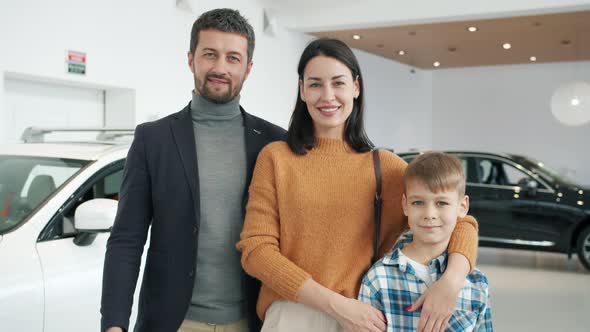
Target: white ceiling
x,y
330,15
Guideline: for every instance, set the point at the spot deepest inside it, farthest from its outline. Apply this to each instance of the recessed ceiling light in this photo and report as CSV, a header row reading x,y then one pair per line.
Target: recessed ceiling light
x,y
401,52
506,46
356,37
533,58
472,29
436,64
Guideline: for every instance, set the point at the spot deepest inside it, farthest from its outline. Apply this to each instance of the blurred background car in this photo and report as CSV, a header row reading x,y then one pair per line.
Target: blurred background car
x,y
520,203
57,205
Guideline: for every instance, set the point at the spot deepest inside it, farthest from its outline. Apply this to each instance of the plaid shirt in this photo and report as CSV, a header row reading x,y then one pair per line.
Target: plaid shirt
x,y
391,285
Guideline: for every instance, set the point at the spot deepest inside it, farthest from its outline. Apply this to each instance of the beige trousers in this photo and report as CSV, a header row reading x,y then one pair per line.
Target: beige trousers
x,y
285,316
192,326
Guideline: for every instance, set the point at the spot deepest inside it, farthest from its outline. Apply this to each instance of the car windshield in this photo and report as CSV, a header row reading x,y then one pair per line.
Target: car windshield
x,y
546,172
26,182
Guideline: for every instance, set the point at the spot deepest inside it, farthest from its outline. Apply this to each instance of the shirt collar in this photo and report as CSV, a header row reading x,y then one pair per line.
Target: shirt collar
x,y
396,258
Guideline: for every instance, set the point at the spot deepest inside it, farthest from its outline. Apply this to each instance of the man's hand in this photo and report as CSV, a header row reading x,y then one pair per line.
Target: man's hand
x,y
438,304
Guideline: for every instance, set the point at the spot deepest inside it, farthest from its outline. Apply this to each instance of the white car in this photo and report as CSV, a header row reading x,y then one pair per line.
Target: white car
x,y
57,204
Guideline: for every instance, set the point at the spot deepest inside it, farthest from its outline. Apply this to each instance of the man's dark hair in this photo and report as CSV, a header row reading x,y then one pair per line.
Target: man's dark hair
x,y
226,20
301,136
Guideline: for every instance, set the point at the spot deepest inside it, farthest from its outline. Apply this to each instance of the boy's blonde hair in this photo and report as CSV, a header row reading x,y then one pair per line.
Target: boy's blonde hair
x,y
439,171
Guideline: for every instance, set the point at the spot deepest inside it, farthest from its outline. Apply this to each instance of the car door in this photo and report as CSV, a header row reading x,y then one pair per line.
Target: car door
x,y
490,202
21,282
31,182
72,273
529,213
507,213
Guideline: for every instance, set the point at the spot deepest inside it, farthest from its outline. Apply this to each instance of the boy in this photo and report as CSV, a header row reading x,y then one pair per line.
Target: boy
x,y
434,198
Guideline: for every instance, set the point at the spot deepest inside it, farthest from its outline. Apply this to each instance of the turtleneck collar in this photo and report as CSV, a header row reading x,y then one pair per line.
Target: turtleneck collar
x,y
203,109
331,146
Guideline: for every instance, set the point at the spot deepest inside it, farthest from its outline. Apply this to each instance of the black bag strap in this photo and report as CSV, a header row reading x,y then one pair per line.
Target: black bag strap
x,y
377,166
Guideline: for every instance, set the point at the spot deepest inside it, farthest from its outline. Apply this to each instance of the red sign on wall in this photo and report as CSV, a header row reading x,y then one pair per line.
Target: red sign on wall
x,y
76,62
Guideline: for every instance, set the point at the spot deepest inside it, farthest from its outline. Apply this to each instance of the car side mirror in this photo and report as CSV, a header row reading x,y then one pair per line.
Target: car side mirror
x,y
93,217
529,186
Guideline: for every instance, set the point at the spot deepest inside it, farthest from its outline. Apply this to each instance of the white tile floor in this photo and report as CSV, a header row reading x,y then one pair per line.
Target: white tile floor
x,y
533,291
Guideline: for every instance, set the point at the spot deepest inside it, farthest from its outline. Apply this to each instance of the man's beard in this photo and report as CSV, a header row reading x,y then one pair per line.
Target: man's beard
x,y
207,93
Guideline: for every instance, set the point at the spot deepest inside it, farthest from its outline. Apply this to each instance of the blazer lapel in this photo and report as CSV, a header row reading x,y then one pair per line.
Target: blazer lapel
x,y
184,137
255,141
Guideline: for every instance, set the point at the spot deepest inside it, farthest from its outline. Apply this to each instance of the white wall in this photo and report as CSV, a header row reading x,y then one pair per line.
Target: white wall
x,y
507,108
141,45
398,103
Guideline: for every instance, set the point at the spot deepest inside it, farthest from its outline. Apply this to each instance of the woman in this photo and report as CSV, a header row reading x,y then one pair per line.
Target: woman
x,y
308,233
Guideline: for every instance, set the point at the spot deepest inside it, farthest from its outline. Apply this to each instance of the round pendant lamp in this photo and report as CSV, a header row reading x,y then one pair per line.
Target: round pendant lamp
x,y
570,103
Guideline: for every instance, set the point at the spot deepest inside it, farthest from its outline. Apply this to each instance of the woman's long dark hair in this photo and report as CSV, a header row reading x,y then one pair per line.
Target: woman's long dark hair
x,y
301,136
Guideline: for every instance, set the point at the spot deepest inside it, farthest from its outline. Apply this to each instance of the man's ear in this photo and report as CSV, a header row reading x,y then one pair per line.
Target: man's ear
x,y
191,59
248,69
405,204
464,207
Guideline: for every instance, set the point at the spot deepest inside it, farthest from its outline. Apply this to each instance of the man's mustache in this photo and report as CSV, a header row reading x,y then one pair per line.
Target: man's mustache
x,y
219,77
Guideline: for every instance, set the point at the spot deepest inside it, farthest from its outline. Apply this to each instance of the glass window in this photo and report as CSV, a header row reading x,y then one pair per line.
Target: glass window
x,y
59,174
515,176
26,182
464,164
106,185
497,172
485,169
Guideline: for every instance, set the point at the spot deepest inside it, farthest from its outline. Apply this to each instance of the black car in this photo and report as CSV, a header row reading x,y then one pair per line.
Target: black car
x,y
520,203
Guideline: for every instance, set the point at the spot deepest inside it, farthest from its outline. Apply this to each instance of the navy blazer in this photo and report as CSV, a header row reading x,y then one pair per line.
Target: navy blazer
x,y
161,188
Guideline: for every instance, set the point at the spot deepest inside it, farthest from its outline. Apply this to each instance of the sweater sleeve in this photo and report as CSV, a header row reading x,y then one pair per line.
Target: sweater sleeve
x,y
464,240
260,237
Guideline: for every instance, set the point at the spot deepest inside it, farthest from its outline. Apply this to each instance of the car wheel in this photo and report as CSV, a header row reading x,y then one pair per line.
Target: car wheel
x,y
583,247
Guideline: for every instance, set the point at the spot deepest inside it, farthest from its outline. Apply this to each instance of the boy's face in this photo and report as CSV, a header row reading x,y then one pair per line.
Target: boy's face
x,y
432,216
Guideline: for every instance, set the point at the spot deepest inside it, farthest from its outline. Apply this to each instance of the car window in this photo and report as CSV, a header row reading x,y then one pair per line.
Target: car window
x,y
59,174
464,164
27,182
497,172
105,185
515,176
485,168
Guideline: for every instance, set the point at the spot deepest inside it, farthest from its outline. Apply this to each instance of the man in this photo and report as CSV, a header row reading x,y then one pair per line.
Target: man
x,y
187,176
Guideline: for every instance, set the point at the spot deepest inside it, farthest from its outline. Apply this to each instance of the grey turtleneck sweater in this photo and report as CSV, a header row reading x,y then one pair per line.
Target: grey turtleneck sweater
x,y
218,295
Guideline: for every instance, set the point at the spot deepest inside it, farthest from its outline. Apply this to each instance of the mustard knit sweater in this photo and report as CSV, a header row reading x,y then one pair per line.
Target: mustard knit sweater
x,y
312,216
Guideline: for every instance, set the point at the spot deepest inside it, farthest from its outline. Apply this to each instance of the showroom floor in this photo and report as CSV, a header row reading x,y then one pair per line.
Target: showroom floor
x,y
533,291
